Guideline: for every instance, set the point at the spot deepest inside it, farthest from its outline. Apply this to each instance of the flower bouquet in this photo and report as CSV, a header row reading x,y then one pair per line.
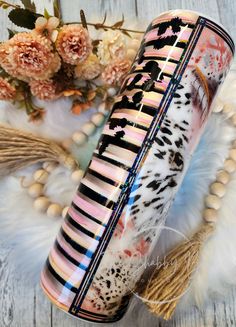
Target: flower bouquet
x,y
53,59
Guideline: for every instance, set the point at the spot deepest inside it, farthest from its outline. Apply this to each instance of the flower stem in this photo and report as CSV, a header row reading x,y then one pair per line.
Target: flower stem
x,y
8,5
102,26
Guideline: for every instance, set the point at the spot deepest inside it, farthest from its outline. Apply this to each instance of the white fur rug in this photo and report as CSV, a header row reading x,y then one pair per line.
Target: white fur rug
x,y
32,233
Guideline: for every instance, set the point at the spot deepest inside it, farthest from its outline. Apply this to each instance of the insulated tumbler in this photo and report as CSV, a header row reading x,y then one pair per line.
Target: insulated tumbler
x,y
158,117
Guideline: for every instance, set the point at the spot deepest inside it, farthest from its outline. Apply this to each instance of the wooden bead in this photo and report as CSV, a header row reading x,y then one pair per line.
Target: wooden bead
x,y
54,210
64,212
230,165
210,215
41,204
41,176
228,108
88,128
102,107
213,202
218,189
111,92
232,154
79,138
26,181
49,166
218,106
67,143
77,175
233,119
35,190
97,119
223,177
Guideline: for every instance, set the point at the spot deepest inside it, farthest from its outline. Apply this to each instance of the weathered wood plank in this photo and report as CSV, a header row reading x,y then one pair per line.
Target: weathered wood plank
x,y
227,13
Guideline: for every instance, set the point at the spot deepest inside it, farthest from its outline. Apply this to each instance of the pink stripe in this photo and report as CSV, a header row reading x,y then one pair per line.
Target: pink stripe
x,y
74,254
93,208
113,172
67,268
87,223
80,238
49,286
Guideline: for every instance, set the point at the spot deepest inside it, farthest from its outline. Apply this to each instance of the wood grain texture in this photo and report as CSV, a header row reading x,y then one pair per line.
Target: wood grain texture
x,y
28,307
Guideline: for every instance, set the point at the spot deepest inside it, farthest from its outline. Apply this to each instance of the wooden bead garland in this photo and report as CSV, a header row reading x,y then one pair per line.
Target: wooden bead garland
x,y
88,129
218,187
40,177
35,189
213,201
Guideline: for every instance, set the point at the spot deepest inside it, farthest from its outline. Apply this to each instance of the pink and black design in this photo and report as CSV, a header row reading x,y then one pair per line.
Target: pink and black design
x,y
115,217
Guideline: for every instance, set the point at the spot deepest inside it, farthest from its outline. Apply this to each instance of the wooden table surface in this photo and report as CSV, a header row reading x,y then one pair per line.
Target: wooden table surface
x,y
28,307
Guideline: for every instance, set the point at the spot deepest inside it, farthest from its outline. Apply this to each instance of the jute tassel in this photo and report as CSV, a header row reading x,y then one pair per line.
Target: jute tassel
x,y
171,280
19,149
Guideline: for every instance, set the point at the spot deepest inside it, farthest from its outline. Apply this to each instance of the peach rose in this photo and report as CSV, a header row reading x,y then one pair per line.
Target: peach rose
x,y
73,44
7,91
89,69
114,72
30,56
44,90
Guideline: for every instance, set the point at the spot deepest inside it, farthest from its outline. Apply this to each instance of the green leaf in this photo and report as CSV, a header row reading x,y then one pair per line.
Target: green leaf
x,y
23,18
126,33
11,33
28,4
56,8
46,14
119,24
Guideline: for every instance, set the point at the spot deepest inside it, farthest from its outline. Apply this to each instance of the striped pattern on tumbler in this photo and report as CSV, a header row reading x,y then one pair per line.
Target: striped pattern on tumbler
x,y
127,137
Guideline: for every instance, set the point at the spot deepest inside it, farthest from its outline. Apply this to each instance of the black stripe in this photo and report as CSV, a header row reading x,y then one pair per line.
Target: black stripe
x,y
74,245
59,278
102,177
140,87
78,226
130,123
159,58
95,196
180,45
158,25
111,161
145,71
108,139
86,214
66,255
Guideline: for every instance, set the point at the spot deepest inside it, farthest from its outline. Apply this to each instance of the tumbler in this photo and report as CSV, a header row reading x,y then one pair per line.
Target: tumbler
x,y
115,218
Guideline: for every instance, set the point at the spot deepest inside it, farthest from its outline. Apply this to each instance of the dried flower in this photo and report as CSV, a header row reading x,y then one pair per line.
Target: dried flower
x,y
44,90
70,92
115,71
73,44
89,69
112,46
7,91
47,27
29,55
79,107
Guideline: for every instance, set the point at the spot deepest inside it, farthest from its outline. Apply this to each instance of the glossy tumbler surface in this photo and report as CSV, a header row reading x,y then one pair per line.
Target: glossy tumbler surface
x,y
155,124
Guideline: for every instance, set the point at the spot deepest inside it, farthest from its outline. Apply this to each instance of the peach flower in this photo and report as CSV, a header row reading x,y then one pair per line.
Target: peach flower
x,y
73,44
7,91
112,46
44,90
114,73
47,27
30,56
89,69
